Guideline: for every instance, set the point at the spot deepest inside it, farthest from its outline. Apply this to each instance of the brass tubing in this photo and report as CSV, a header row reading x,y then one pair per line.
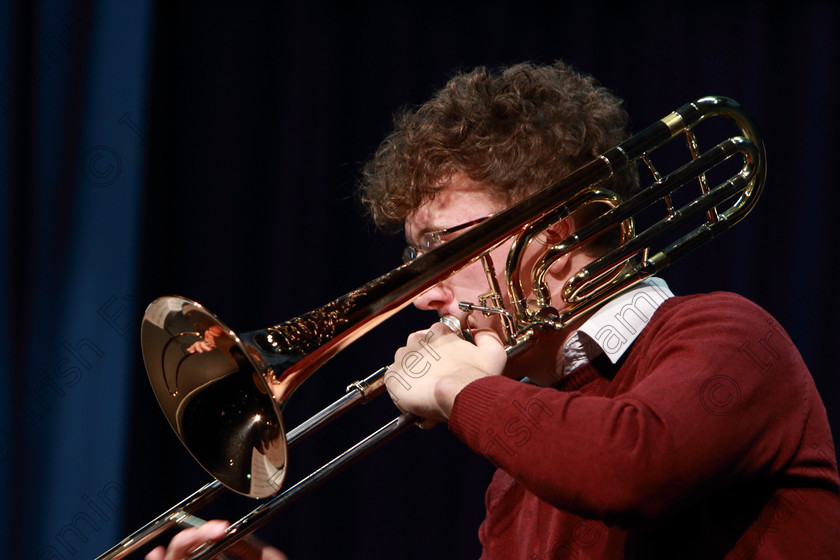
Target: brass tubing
x,y
261,514
164,521
357,393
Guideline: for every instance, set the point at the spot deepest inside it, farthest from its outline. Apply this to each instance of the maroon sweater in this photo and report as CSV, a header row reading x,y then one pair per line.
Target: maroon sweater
x,y
708,440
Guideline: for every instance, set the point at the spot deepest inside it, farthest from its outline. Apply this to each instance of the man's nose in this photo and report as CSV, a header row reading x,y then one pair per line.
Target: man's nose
x,y
437,298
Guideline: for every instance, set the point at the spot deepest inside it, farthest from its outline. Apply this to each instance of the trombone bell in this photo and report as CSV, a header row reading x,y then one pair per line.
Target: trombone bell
x,y
211,388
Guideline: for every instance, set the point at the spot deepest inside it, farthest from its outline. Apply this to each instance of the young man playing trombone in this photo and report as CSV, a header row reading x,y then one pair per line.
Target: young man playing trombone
x,y
648,429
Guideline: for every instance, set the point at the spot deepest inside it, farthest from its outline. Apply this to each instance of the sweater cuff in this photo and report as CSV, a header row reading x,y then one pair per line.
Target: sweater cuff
x,y
475,405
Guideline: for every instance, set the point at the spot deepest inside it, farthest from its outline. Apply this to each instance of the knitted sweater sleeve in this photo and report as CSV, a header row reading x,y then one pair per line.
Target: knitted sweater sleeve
x,y
713,392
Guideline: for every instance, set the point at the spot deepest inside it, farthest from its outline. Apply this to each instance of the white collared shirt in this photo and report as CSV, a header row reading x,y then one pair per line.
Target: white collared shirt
x,y
614,327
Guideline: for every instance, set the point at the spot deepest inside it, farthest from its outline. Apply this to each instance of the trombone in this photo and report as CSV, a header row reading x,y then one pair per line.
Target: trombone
x,y
224,393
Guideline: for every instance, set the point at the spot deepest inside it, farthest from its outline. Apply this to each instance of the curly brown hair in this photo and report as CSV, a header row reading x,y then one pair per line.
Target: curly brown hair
x,y
515,130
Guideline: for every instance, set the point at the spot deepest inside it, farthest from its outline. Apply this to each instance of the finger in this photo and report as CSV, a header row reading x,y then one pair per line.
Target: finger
x,y
427,423
396,385
200,347
440,334
252,548
446,328
415,337
181,544
156,554
189,539
491,350
271,553
486,338
248,548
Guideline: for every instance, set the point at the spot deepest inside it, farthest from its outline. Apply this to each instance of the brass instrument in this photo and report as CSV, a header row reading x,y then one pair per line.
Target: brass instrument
x,y
204,375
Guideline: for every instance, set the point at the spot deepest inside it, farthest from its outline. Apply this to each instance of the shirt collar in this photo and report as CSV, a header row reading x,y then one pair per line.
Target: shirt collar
x,y
614,327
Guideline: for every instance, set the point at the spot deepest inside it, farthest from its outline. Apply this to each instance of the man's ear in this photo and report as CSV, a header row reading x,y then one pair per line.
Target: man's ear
x,y
557,231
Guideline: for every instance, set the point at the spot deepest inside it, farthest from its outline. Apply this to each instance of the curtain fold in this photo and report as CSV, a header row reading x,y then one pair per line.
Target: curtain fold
x,y
71,208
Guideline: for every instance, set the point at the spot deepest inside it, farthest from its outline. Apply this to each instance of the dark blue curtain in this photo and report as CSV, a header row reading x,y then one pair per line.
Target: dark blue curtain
x,y
211,150
74,81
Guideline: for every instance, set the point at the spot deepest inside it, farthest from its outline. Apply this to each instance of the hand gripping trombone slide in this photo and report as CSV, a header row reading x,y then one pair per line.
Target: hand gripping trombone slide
x,y
223,394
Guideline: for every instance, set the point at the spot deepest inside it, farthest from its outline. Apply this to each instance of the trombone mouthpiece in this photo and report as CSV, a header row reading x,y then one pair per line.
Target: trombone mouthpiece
x,y
453,324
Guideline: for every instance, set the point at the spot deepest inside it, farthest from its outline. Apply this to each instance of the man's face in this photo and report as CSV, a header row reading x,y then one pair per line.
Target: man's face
x,y
462,200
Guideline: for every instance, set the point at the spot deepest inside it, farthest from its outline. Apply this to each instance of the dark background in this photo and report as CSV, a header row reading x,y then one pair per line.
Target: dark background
x,y
235,133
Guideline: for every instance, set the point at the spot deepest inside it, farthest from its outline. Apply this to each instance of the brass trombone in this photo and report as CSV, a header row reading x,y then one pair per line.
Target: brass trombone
x,y
223,394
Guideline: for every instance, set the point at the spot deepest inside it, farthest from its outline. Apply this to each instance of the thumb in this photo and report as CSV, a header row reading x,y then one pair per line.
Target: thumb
x,y
491,349
486,338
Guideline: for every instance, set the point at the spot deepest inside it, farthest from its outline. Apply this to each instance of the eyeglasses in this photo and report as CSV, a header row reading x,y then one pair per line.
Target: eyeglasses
x,y
432,239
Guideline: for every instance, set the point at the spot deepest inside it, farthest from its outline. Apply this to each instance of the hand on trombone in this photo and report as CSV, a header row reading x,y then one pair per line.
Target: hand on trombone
x,y
182,544
435,364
